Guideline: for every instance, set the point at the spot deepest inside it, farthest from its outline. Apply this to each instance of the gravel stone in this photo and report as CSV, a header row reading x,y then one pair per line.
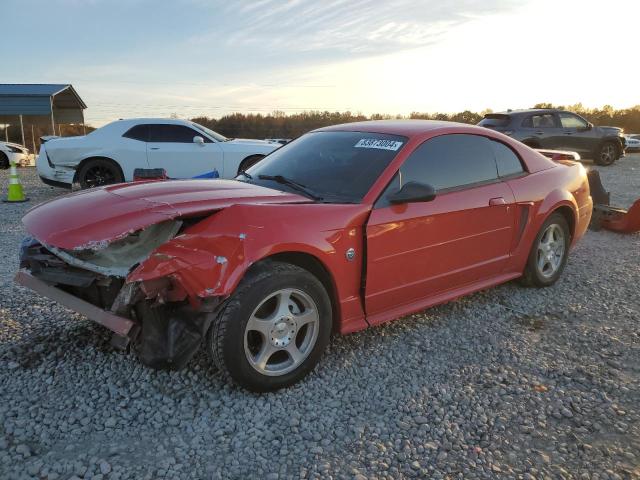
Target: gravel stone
x,y
507,383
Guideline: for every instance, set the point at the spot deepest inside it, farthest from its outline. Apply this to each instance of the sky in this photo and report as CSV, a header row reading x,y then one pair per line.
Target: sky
x,y
136,58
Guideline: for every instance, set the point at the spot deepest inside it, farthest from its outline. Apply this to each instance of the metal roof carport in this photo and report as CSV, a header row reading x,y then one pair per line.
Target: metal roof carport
x,y
55,103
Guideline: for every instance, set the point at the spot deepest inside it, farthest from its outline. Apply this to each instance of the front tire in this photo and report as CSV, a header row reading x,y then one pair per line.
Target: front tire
x,y
274,328
98,172
4,161
549,253
607,154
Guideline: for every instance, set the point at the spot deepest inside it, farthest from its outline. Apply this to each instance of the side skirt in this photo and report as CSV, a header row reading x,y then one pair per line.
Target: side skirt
x,y
444,297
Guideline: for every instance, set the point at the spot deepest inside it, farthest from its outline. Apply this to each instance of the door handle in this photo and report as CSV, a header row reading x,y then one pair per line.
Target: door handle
x,y
154,148
497,201
539,133
568,133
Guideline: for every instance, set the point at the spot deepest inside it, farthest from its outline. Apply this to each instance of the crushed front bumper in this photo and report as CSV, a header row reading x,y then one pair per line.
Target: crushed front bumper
x,y
118,325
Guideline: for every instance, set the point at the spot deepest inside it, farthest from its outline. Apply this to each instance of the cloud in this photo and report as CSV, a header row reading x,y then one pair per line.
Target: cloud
x,y
334,29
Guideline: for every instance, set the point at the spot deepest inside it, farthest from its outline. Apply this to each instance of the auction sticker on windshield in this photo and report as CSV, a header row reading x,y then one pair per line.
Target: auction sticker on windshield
x,y
378,143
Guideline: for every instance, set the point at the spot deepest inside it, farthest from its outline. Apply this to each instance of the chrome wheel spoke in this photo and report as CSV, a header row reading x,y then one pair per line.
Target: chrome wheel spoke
x,y
308,316
295,354
264,355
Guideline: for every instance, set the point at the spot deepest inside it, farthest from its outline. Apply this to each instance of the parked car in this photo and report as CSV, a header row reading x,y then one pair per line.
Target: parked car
x,y
110,154
633,142
12,152
281,141
345,228
559,130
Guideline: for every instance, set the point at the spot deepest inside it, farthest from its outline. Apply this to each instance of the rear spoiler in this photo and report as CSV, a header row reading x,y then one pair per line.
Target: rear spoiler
x,y
46,138
559,154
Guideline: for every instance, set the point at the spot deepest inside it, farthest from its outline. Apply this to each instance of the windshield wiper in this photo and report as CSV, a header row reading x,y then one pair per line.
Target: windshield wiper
x,y
293,184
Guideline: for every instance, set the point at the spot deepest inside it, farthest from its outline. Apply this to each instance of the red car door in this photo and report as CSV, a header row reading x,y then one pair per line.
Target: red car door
x,y
418,250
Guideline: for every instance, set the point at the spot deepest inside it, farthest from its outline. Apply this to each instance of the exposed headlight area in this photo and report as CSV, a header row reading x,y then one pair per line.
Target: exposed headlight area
x,y
116,258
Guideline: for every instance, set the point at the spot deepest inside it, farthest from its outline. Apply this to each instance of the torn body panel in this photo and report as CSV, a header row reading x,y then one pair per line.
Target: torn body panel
x,y
210,258
608,217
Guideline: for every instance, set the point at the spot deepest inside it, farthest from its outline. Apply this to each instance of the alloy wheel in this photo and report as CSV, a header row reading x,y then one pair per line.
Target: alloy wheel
x,y
98,176
608,154
551,250
281,332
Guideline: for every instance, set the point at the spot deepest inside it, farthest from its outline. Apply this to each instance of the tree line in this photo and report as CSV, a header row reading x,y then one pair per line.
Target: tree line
x,y
280,125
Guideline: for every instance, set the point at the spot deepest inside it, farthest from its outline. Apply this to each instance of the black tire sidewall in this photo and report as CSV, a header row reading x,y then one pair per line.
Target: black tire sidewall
x,y
4,161
237,315
598,158
99,162
533,273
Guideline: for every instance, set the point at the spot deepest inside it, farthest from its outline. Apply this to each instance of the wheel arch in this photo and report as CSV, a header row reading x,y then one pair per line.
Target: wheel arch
x,y
96,157
314,266
247,161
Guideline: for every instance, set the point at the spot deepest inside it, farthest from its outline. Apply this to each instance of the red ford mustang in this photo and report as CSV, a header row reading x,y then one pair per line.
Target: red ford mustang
x,y
344,228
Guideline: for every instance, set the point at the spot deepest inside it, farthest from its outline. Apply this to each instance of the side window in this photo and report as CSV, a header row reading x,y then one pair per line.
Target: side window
x,y
138,132
539,121
569,120
167,133
506,159
451,161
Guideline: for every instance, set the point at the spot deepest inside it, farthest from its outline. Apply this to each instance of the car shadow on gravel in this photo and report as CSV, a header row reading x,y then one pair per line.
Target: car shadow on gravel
x,y
30,352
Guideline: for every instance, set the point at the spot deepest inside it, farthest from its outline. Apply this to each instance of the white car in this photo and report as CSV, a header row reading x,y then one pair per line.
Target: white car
x,y
110,154
633,142
12,152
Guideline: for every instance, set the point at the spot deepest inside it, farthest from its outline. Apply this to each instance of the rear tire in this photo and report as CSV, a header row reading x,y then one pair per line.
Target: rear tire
x,y
273,330
549,253
607,154
99,172
4,161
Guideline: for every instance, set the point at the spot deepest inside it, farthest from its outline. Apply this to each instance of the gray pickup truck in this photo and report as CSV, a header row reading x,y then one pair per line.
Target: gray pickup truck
x,y
559,130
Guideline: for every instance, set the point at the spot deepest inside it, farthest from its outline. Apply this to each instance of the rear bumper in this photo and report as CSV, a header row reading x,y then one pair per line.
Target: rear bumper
x,y
119,325
55,183
54,176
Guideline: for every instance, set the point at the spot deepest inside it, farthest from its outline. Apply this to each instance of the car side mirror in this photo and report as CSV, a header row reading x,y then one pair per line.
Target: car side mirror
x,y
413,192
199,140
588,127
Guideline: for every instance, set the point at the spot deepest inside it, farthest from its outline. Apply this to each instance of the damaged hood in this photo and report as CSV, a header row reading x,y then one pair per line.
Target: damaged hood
x,y
96,217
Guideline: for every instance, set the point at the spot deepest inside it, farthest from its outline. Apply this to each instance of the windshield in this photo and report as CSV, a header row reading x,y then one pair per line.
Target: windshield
x,y
339,167
211,133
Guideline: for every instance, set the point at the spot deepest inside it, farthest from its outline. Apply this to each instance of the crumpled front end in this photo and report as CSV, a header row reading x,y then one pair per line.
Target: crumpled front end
x,y
165,318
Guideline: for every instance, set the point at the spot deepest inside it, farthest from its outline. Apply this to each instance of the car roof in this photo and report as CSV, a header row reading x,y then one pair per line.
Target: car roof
x,y
135,121
528,110
406,128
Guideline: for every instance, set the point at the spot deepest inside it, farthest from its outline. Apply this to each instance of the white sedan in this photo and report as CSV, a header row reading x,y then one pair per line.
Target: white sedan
x,y
110,154
633,143
12,153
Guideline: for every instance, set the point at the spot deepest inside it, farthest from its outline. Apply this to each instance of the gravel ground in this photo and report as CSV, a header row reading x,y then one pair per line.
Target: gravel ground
x,y
510,383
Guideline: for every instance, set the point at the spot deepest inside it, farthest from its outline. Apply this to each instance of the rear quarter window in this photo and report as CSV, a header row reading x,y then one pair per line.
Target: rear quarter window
x,y
507,161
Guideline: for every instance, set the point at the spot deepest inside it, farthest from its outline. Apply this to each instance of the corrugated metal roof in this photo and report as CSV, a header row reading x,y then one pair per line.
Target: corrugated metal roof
x,y
37,89
38,99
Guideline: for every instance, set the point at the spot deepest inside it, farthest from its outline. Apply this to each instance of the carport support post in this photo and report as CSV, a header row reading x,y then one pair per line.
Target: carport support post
x,y
22,130
6,132
33,141
53,125
84,128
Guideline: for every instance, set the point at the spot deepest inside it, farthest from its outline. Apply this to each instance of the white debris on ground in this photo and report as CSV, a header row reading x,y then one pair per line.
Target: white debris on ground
x,y
511,382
